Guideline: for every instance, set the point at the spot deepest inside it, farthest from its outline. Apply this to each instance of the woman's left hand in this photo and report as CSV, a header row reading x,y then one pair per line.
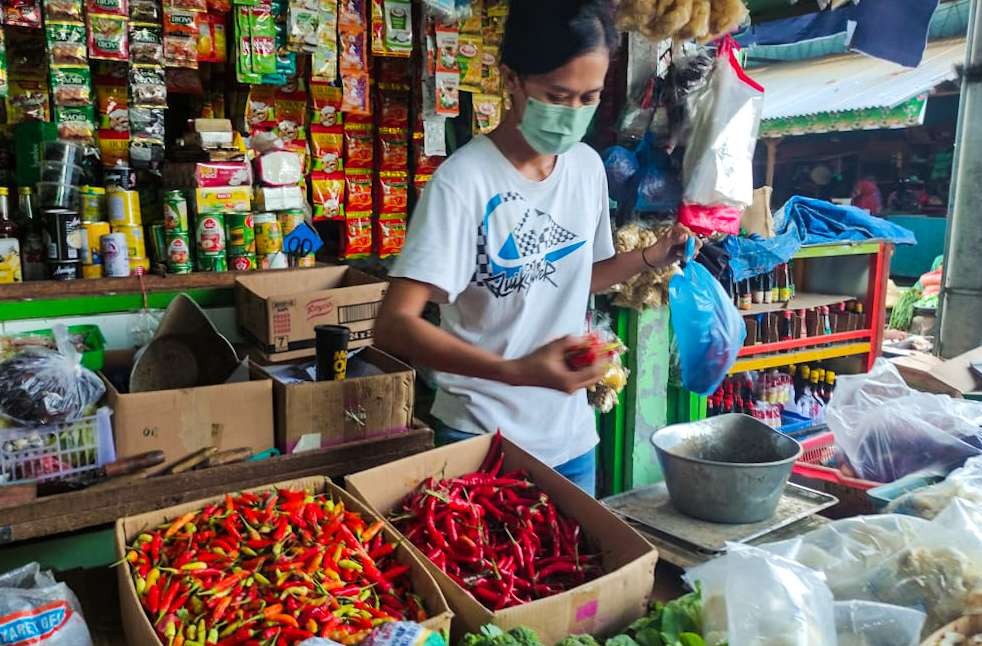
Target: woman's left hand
x,y
670,248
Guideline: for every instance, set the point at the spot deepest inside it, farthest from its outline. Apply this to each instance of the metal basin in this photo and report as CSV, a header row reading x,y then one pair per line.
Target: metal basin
x,y
726,469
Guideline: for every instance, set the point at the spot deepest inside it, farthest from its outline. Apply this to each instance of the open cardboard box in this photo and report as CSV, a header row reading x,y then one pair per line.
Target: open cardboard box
x,y
931,374
327,413
278,311
136,625
602,606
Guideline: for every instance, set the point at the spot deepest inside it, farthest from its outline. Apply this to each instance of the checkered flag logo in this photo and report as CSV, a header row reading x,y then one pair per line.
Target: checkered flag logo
x,y
538,232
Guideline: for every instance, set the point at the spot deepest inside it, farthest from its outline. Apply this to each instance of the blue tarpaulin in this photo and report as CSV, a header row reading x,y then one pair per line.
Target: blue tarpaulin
x,y
807,221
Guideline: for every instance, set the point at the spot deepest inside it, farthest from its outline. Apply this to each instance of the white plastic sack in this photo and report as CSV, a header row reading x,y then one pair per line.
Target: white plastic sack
x,y
964,483
888,430
865,623
755,598
34,608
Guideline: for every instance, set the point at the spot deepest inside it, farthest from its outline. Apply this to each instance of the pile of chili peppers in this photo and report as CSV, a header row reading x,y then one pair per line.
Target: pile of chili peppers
x,y
266,569
497,535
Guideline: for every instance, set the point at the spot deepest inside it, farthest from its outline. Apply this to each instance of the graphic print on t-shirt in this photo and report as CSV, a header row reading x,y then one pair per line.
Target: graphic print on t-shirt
x,y
530,251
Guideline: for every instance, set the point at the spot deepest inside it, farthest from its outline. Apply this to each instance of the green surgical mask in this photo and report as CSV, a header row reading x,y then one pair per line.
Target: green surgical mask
x,y
553,129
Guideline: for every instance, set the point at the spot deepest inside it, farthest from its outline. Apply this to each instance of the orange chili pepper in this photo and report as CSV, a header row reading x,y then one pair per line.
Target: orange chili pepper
x,y
286,620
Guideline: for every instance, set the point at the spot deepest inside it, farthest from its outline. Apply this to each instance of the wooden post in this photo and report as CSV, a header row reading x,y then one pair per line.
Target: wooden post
x,y
772,145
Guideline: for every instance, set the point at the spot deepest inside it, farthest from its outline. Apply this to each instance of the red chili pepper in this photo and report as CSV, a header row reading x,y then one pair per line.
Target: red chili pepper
x,y
152,599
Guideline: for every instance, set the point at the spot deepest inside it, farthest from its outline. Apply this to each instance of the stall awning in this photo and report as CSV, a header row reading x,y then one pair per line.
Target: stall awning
x,y
852,92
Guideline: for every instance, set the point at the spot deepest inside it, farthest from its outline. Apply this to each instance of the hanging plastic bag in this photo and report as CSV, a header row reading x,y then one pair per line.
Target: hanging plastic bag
x,y
34,608
718,168
41,386
866,623
888,430
751,596
708,327
927,502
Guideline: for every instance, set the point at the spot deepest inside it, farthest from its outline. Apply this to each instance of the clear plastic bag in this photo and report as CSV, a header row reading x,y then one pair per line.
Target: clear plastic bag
x,y
34,608
708,327
964,483
40,386
718,170
755,598
887,430
866,623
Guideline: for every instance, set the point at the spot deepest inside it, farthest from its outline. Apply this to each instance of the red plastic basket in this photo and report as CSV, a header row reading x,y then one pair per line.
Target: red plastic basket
x,y
819,451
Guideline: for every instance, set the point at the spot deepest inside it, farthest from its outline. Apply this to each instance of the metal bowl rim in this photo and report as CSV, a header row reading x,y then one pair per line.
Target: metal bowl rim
x,y
739,465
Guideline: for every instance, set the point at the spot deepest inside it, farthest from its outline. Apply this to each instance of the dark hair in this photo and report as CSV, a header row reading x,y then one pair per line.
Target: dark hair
x,y
543,35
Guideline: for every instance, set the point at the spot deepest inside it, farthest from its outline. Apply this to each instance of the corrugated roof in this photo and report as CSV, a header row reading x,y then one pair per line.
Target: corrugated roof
x,y
853,81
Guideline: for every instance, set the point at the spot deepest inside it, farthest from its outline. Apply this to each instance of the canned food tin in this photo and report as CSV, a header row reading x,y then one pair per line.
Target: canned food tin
x,y
178,252
124,207
175,211
158,243
91,271
93,204
120,177
269,238
242,262
139,266
91,251
210,235
115,255
216,263
290,220
65,236
64,270
306,262
134,239
270,261
240,234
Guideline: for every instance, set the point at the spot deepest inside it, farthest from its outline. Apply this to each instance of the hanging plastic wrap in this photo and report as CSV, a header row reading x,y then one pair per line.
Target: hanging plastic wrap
x,y
866,623
718,169
888,430
41,386
708,327
927,502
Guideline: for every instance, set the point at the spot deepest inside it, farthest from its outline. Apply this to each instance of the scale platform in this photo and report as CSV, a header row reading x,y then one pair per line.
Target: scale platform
x,y
651,508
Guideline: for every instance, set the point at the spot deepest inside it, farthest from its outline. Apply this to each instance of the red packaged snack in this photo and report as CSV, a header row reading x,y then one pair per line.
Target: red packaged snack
x,y
393,193
325,100
355,97
327,195
357,242
200,6
108,37
180,22
108,7
393,150
390,236
419,183
425,165
393,110
327,146
358,147
359,196
352,48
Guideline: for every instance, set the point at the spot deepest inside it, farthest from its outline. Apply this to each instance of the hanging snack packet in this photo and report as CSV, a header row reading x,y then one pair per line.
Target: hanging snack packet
x,y
327,146
147,123
390,236
66,43
108,38
487,113
198,6
355,97
378,28
113,105
146,11
146,43
398,28
148,86
393,108
211,38
147,154
419,183
325,55
469,60
260,109
76,123
470,12
327,195
27,99
23,13
220,7
114,147
448,48
447,94
62,10
302,24
393,150
490,72
357,239
325,101
393,193
180,38
4,85
352,45
71,85
119,8
359,191
262,31
291,115
359,146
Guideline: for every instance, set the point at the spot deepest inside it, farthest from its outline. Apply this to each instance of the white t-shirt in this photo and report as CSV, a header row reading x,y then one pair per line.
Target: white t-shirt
x,y
515,258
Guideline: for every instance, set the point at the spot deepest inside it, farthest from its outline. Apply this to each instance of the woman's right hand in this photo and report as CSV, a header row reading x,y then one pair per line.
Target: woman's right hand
x,y
547,368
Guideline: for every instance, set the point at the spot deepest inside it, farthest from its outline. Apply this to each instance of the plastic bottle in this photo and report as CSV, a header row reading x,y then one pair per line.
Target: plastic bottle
x,y
33,251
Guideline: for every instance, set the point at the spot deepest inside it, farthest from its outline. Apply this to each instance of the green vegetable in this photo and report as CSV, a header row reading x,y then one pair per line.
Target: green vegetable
x,y
579,640
490,635
525,636
677,623
621,640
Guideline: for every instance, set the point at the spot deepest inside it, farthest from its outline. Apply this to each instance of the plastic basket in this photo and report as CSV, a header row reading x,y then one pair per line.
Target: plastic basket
x,y
813,469
56,451
798,426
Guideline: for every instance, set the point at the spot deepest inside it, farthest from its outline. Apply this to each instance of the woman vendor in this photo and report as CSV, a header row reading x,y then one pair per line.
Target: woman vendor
x,y
511,237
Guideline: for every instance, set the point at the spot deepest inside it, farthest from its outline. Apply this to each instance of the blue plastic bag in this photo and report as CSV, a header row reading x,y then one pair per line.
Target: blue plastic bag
x,y
708,327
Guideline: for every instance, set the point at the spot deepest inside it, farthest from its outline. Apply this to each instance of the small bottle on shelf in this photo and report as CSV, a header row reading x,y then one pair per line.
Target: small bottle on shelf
x,y
802,318
787,326
746,301
785,284
774,290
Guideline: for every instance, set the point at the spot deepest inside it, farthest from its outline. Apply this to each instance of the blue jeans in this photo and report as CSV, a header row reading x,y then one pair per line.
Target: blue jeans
x,y
581,471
